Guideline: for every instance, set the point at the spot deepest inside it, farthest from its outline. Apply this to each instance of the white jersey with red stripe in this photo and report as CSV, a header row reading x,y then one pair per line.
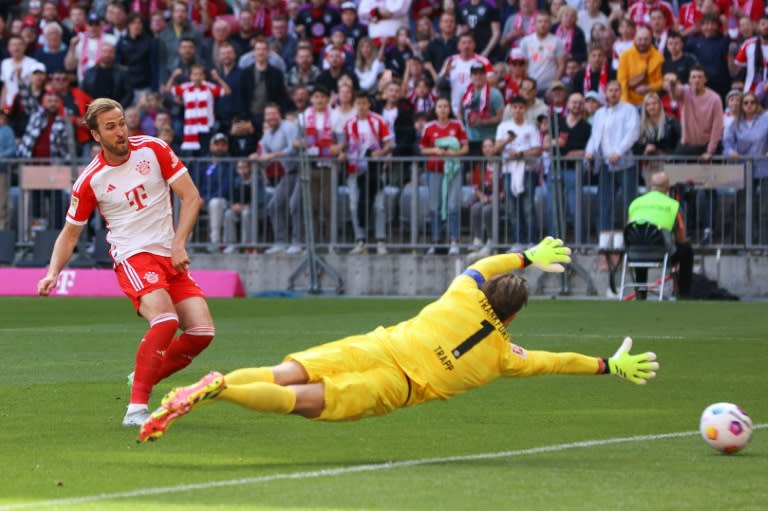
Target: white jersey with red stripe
x,y
460,73
745,57
133,197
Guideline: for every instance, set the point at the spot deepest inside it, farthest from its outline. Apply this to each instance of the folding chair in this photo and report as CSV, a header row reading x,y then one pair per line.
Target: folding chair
x,y
646,246
42,247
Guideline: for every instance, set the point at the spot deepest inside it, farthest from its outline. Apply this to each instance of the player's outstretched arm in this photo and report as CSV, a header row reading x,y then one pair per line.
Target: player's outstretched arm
x,y
549,255
62,251
635,368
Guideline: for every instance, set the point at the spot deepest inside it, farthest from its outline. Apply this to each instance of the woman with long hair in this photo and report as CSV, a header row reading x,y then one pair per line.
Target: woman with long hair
x,y
570,33
747,137
659,134
443,139
368,64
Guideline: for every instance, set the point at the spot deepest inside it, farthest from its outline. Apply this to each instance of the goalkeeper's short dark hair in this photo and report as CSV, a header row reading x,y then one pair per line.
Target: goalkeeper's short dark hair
x,y
507,293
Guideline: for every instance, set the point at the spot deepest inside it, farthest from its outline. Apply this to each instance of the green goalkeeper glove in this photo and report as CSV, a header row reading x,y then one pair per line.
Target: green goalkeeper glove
x,y
549,255
635,368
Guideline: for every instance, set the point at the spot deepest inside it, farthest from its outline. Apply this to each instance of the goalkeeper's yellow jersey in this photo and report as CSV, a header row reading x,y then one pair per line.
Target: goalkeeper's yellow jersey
x,y
457,343
454,344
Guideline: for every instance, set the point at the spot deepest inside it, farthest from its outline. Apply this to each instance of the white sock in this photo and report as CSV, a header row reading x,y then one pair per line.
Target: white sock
x,y
133,407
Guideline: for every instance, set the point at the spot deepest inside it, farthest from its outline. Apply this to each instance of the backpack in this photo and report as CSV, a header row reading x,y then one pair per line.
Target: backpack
x,y
703,288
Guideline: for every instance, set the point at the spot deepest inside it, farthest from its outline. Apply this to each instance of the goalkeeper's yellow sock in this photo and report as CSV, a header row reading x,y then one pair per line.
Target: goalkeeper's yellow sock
x,y
261,397
250,375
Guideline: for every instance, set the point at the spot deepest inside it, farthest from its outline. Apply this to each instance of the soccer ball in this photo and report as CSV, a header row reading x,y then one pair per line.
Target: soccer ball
x,y
725,427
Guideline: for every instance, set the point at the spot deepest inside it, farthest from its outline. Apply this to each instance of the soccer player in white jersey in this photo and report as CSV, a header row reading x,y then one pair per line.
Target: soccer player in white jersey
x,y
130,181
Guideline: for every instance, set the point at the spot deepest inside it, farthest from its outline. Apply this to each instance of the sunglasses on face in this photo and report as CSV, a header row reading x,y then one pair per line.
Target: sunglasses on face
x,y
749,102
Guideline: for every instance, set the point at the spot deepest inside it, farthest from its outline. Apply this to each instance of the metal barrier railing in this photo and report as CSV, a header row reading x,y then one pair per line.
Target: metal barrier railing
x,y
401,205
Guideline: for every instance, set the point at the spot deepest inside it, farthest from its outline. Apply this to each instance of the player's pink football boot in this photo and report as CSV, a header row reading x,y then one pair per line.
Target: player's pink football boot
x,y
179,402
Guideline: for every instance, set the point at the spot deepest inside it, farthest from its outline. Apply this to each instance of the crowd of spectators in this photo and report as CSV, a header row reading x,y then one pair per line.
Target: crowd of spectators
x,y
363,80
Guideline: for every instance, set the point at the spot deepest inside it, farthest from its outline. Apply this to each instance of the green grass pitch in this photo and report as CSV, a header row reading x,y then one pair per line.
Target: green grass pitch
x,y
545,443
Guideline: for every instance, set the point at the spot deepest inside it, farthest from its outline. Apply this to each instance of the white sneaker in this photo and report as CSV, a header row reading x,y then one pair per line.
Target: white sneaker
x,y
381,248
294,249
359,249
454,250
477,243
430,251
276,249
136,418
231,249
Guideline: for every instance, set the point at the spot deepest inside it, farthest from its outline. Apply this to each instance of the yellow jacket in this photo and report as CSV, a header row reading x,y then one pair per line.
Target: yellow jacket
x,y
633,63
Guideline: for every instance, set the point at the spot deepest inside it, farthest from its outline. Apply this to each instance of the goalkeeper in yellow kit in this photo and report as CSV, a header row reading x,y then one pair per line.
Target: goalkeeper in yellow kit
x,y
457,343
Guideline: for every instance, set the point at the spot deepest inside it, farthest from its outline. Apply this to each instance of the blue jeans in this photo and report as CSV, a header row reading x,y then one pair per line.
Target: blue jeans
x,y
607,183
521,214
453,203
569,189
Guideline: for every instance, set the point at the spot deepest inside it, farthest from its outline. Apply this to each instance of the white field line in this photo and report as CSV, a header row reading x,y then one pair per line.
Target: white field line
x,y
332,472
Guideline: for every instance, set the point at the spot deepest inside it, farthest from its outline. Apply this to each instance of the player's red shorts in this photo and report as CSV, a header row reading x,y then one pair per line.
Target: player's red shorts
x,y
143,273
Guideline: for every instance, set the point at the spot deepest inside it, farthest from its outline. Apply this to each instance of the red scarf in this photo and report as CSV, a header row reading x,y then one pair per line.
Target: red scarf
x,y
483,103
746,7
518,25
567,38
323,139
602,82
147,8
356,148
84,59
690,14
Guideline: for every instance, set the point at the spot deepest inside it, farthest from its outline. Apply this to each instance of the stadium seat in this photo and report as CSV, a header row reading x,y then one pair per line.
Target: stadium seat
x,y
42,247
7,247
646,246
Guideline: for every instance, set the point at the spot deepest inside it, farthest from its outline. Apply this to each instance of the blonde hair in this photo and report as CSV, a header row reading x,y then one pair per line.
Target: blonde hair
x,y
360,61
652,130
98,107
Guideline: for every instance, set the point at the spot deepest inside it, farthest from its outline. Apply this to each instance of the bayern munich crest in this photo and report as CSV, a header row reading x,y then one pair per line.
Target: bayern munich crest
x,y
143,167
151,277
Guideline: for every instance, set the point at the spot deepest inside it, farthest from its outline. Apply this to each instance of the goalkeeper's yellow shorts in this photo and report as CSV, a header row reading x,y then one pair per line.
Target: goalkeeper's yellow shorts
x,y
361,379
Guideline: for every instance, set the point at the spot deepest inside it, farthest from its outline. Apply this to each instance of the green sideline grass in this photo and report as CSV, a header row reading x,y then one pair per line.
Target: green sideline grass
x,y
63,392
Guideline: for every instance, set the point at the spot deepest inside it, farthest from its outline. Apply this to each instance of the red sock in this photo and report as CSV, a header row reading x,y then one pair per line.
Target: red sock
x,y
149,356
184,348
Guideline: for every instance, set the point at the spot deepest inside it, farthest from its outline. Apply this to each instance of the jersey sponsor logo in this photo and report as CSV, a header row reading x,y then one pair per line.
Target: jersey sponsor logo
x,y
73,206
111,188
135,196
151,277
520,352
143,167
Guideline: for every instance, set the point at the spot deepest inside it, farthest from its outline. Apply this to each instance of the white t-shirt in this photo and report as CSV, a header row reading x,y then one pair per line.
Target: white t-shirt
x,y
390,115
542,56
133,197
527,137
11,80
